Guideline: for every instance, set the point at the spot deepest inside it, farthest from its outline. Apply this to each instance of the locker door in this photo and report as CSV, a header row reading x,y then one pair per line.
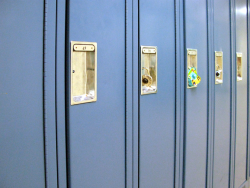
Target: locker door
x,y
96,130
157,111
222,96
21,94
241,107
196,98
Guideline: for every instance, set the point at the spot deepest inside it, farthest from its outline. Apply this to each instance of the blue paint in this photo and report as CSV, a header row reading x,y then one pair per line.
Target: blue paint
x,y
241,104
157,111
136,90
129,95
196,124
180,94
222,96
124,139
96,131
21,94
60,94
50,93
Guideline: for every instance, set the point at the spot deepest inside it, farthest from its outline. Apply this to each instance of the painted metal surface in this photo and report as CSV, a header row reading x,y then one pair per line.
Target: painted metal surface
x,y
21,91
60,97
180,93
135,93
157,111
49,93
222,97
241,103
96,131
210,93
233,93
196,98
103,138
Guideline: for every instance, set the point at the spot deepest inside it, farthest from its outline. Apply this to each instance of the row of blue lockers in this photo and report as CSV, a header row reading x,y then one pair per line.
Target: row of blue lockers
x,y
124,93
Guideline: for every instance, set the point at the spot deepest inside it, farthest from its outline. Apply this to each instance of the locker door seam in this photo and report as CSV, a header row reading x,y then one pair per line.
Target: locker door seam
x,y
210,93
233,94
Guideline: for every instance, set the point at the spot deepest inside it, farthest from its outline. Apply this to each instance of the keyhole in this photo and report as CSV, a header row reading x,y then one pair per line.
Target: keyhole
x,y
145,80
217,74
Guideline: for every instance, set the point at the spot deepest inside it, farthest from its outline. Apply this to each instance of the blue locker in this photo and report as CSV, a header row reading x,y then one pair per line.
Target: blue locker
x,y
96,131
157,111
222,96
21,90
196,98
241,90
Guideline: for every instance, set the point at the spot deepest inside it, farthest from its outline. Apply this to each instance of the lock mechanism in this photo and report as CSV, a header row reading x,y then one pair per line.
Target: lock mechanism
x,y
147,80
148,69
218,67
83,72
218,73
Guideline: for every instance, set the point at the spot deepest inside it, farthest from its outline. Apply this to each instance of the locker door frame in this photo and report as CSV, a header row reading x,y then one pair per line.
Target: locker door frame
x,y
211,93
50,111
234,85
54,93
187,92
228,63
180,94
62,16
22,122
234,95
133,9
60,92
